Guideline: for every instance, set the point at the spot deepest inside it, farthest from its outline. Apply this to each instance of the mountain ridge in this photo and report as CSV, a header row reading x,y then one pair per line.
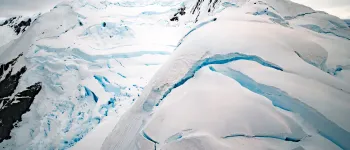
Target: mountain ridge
x,y
91,66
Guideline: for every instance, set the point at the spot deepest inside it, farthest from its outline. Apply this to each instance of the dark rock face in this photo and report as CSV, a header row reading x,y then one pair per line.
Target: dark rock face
x,y
196,10
12,108
180,11
197,7
17,27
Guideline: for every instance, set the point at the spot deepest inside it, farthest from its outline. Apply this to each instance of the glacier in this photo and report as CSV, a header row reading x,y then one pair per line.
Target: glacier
x,y
174,75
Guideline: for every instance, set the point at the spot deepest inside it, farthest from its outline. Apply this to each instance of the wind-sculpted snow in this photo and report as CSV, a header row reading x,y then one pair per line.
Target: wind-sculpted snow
x,y
324,127
197,27
200,100
320,62
317,63
216,59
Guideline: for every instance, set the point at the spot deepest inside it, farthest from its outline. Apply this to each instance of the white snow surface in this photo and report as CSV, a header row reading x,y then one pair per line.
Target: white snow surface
x,y
253,76
119,75
90,71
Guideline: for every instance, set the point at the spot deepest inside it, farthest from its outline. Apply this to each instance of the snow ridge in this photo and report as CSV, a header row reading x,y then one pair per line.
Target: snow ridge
x,y
280,99
216,59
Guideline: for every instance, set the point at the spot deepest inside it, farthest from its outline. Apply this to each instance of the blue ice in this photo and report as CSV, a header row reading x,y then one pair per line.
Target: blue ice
x,y
107,86
281,99
216,59
88,92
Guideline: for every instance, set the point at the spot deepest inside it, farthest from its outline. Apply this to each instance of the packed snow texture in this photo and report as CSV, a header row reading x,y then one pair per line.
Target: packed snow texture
x,y
260,75
225,74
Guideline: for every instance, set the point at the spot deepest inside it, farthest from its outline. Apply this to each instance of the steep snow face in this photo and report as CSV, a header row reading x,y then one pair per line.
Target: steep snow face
x,y
253,76
78,65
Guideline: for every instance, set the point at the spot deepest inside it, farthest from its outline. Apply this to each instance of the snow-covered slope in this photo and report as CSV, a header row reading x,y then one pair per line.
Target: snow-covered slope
x,y
86,60
164,74
258,75
13,27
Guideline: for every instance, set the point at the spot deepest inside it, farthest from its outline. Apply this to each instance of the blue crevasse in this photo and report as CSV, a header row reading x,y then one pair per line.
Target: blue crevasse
x,y
69,142
228,4
149,138
290,139
281,99
300,15
323,67
107,86
275,17
196,28
178,136
101,80
338,25
318,29
175,137
88,92
152,13
216,59
320,65
106,107
338,69
80,54
121,75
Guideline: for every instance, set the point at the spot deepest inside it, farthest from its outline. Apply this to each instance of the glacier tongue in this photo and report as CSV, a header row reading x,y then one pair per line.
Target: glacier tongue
x,y
173,75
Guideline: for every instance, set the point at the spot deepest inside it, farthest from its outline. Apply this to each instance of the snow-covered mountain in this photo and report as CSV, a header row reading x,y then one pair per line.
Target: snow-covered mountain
x,y
161,74
12,28
258,75
88,59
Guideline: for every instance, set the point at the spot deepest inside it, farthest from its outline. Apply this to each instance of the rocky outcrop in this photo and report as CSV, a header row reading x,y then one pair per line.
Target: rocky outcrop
x,y
180,12
18,24
13,105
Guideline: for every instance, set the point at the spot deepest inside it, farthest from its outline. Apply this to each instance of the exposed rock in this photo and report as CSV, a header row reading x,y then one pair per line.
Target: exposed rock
x,y
18,25
12,108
